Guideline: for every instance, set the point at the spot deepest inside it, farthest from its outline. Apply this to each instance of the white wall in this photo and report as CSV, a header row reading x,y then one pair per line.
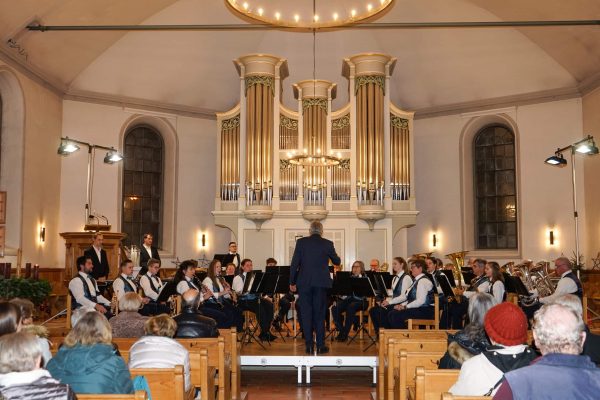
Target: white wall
x,y
195,186
545,192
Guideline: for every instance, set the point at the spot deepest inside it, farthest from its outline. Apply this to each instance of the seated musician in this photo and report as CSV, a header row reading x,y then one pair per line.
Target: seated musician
x,y
374,265
230,269
221,301
458,310
124,282
568,284
152,286
349,305
434,266
417,301
496,281
400,283
84,289
285,302
262,307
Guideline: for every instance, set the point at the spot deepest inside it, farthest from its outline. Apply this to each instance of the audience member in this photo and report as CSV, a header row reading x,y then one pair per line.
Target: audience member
x,y
481,375
87,360
40,331
129,323
191,323
472,340
157,349
561,373
21,375
10,318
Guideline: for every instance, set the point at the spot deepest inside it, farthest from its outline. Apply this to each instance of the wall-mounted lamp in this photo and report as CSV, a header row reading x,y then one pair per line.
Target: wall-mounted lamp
x,y
551,238
203,240
42,234
434,240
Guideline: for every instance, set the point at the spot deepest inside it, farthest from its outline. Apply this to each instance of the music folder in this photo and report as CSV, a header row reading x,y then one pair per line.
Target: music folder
x,y
168,290
445,286
450,275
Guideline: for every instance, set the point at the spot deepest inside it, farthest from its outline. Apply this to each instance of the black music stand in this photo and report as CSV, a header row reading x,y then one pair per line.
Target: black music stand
x,y
468,277
450,275
362,287
282,287
251,285
341,287
517,285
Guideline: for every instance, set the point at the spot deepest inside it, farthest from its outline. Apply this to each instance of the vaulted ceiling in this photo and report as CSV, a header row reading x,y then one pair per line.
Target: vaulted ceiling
x,y
193,70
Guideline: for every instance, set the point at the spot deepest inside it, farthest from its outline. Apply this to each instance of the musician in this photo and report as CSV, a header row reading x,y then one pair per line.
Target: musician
x,y
221,301
496,280
233,256
285,302
458,310
349,305
98,257
400,283
84,290
374,265
436,275
147,252
568,284
124,282
230,269
152,286
186,279
417,301
262,307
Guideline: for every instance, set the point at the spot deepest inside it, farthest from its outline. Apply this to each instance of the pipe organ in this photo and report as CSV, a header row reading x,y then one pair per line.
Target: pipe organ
x,y
370,138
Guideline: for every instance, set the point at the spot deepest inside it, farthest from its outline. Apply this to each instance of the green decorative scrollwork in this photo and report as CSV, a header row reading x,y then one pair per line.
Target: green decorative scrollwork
x,y
260,80
341,122
362,80
288,123
314,101
397,122
230,123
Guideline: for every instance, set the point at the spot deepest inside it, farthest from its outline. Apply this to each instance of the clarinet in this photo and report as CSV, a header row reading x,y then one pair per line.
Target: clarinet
x,y
204,289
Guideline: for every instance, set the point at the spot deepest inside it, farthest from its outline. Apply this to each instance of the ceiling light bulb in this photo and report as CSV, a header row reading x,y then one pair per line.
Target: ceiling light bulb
x,y
369,7
277,16
296,17
353,13
245,5
316,18
335,16
260,11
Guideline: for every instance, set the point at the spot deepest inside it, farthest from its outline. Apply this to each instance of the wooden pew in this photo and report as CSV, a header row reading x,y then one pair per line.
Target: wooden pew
x,y
165,383
402,367
385,335
450,396
233,348
430,384
139,395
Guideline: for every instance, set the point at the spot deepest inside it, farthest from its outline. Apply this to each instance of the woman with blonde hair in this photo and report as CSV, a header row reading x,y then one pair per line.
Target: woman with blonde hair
x,y
26,306
129,323
87,360
158,349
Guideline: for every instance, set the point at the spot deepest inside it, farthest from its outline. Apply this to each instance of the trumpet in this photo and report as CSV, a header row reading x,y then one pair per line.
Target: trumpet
x,y
114,304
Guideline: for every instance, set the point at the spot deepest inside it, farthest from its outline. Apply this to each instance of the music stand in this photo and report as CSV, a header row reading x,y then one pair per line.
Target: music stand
x,y
251,285
281,287
362,287
518,286
170,289
468,277
450,275
388,279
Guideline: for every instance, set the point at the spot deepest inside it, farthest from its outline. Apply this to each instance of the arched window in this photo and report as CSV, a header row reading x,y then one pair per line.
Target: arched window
x,y
495,188
142,185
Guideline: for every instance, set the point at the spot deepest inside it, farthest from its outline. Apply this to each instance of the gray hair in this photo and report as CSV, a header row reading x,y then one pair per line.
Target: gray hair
x,y
19,352
316,228
479,304
571,301
558,329
130,302
564,260
190,298
78,313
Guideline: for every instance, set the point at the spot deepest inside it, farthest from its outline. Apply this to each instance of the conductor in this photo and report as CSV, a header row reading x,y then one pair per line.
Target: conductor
x,y
310,274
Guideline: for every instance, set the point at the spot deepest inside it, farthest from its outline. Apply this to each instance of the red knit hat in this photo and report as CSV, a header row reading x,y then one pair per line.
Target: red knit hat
x,y
506,324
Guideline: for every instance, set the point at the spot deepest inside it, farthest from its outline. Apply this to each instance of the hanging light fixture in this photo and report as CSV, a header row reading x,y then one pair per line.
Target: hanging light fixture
x,y
557,159
586,146
67,147
319,158
112,156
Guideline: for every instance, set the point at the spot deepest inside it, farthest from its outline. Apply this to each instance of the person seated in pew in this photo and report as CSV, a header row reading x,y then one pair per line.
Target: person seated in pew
x,y
158,349
41,332
417,301
21,373
401,281
152,285
84,289
87,360
481,375
349,305
129,323
472,340
191,323
220,302
496,281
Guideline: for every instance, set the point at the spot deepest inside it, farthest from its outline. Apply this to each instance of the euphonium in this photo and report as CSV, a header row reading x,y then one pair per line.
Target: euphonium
x,y
422,255
534,277
458,261
508,268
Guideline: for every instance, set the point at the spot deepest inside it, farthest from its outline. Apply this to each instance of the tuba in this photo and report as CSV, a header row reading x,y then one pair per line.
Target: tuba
x,y
422,255
458,261
534,277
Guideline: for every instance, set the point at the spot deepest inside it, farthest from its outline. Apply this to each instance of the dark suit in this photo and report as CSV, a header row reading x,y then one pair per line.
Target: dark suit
x,y
101,268
144,257
310,272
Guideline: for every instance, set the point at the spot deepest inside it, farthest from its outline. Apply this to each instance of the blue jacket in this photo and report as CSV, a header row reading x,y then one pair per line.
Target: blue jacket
x,y
556,376
94,369
310,263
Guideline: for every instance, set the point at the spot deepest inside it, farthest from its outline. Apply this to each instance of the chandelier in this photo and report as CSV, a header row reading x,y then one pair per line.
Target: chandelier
x,y
300,13
313,160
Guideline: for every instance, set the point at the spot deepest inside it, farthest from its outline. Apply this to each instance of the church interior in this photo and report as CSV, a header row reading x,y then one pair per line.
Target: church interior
x,y
407,128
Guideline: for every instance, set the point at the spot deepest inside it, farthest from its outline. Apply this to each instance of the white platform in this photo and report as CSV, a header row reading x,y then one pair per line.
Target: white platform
x,y
309,362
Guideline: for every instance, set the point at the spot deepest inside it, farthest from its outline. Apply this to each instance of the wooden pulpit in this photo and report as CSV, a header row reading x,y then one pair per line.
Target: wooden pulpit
x,y
77,242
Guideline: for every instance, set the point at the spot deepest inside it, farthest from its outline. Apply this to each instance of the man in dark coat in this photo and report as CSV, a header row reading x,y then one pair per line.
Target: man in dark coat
x,y
98,256
147,251
191,323
309,275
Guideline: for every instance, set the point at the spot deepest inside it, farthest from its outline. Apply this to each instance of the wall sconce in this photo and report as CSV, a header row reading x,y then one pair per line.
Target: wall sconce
x,y
203,240
434,240
42,234
551,238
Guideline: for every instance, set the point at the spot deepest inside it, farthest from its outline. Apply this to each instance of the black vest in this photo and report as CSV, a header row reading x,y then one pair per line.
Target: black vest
x,y
398,289
579,292
86,293
126,285
412,294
